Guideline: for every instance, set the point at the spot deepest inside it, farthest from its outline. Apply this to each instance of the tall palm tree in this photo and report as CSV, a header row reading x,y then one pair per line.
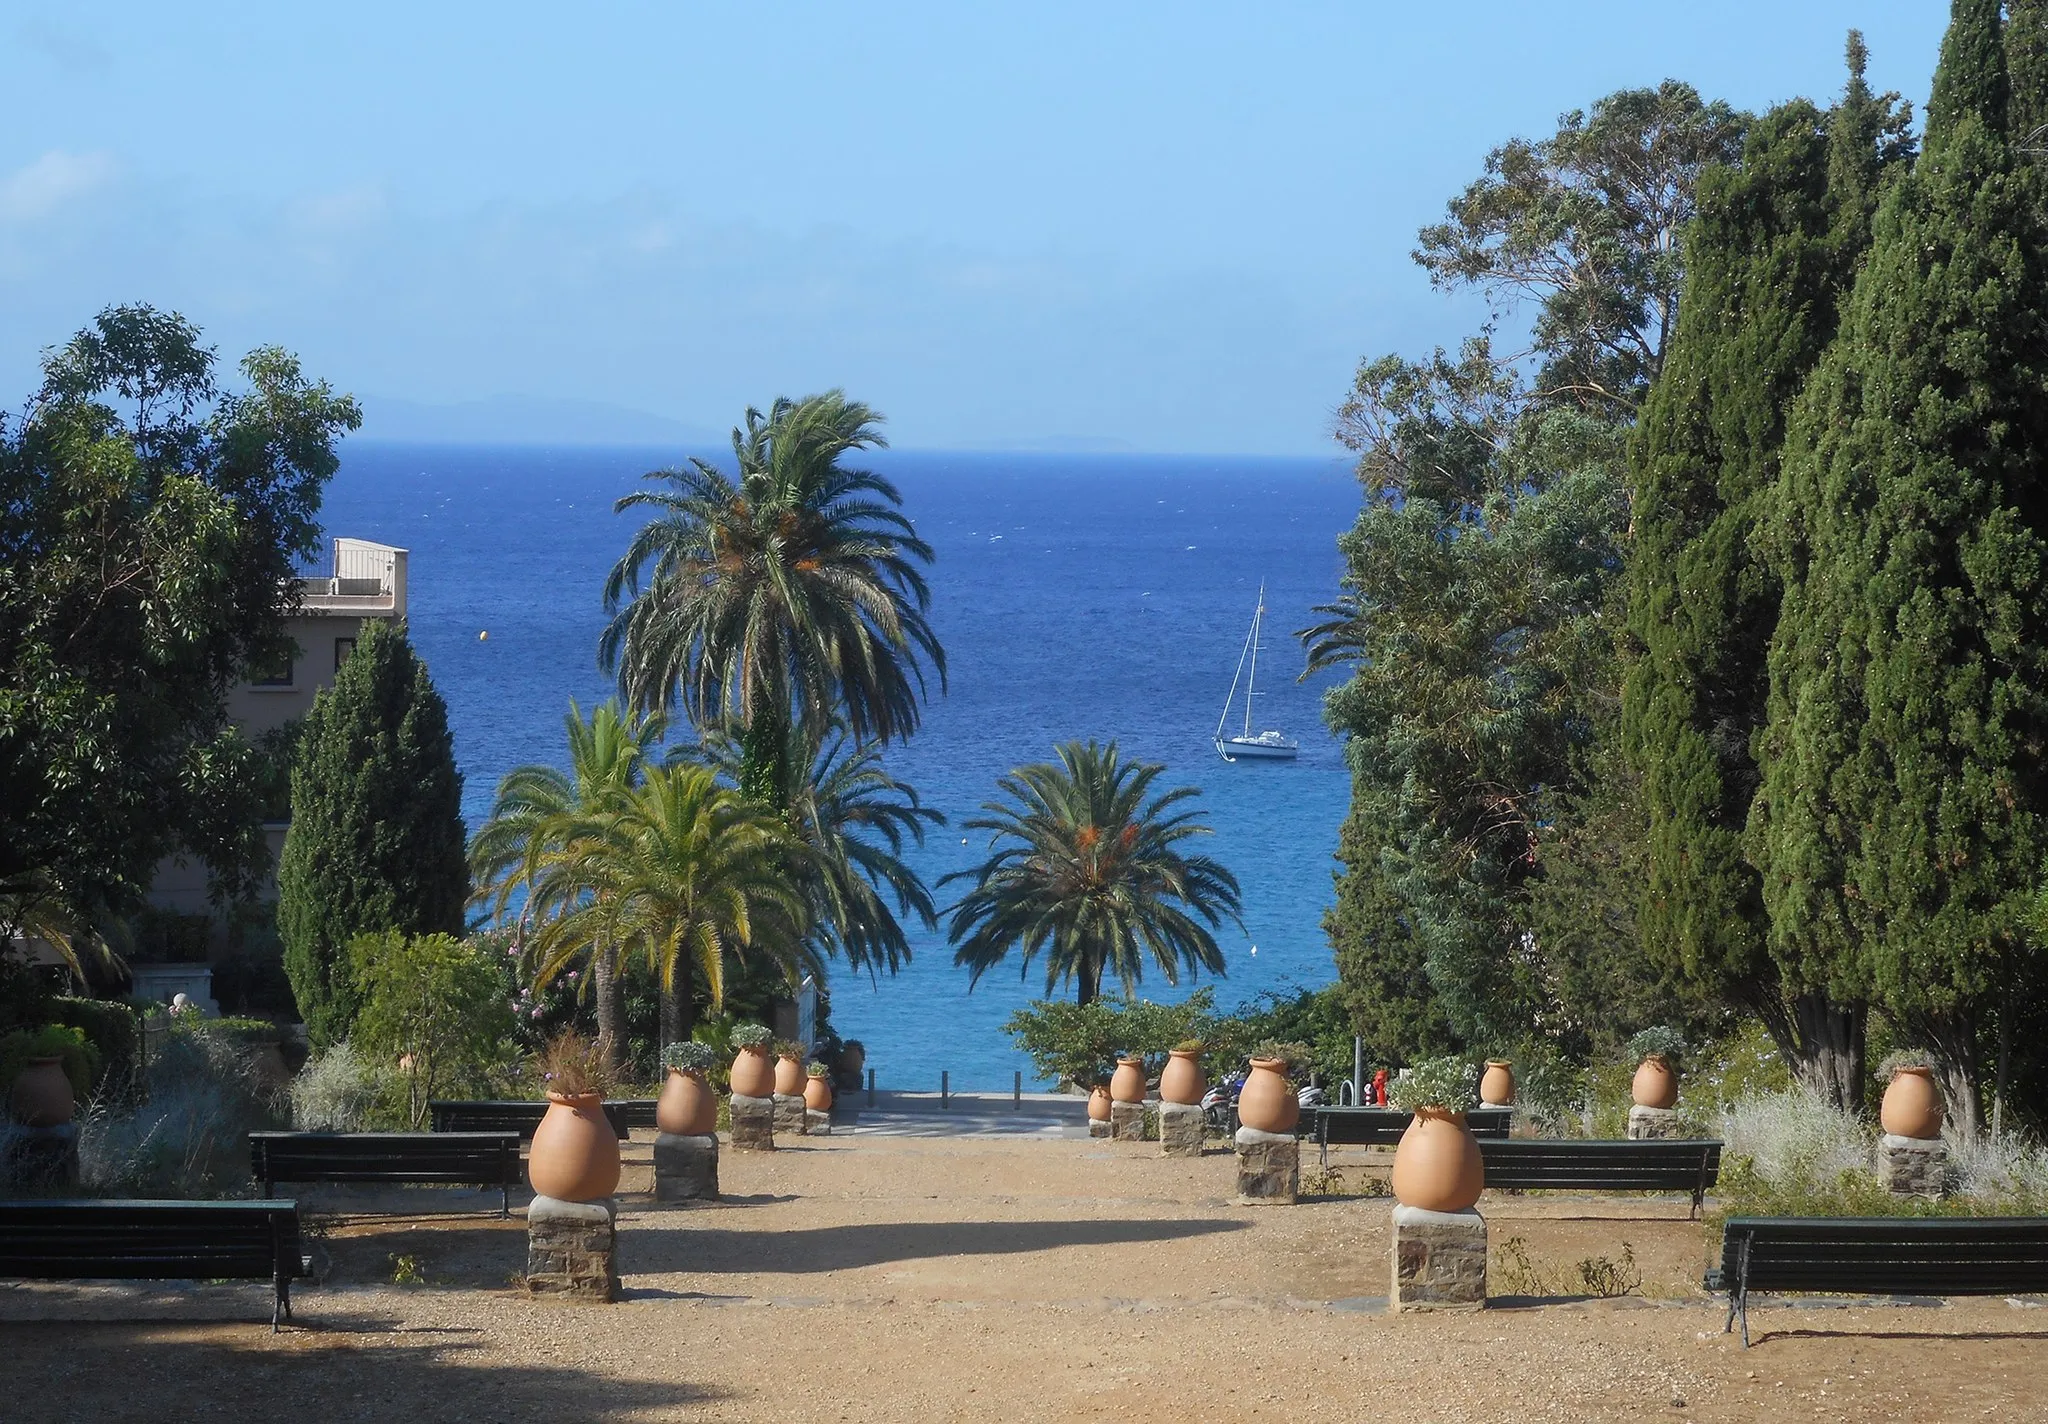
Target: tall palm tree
x,y
683,871
1085,870
538,808
850,819
786,592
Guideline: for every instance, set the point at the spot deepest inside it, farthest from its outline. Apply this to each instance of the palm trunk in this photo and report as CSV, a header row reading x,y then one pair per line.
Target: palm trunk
x,y
678,1004
764,753
609,990
1089,978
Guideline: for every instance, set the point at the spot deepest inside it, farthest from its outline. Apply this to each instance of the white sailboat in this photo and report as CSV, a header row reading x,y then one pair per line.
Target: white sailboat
x,y
1266,746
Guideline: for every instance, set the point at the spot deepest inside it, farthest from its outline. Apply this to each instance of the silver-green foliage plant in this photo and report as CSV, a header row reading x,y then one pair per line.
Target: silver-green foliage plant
x,y
188,1138
690,1057
337,1091
1901,1058
1449,1084
1657,1042
751,1036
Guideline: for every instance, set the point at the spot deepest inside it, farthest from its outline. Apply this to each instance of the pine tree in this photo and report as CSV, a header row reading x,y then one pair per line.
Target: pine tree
x,y
1771,255
1899,826
2026,63
376,839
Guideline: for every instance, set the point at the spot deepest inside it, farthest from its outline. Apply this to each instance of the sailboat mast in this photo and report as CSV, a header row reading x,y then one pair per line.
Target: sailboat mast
x,y
1253,681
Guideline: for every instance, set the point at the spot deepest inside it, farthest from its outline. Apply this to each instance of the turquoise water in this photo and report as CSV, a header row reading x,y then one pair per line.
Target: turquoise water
x,y
1077,596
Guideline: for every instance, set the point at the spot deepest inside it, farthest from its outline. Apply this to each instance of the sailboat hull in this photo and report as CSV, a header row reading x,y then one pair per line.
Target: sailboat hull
x,y
1242,748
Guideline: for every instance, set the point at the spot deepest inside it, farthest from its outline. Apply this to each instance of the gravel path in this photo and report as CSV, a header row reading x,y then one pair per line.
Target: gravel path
x,y
875,1277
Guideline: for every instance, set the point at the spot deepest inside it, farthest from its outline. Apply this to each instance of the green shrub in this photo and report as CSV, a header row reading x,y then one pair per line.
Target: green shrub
x,y
434,1007
80,1058
337,1091
114,1032
249,1033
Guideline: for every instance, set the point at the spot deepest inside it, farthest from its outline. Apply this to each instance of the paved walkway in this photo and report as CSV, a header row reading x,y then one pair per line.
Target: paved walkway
x,y
962,1115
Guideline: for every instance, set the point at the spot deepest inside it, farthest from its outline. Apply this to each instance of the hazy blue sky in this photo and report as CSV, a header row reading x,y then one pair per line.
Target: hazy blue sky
x,y
1178,226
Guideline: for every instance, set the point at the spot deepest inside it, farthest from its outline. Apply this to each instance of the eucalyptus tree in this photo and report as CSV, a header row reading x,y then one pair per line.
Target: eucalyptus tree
x,y
786,592
1088,872
680,870
537,806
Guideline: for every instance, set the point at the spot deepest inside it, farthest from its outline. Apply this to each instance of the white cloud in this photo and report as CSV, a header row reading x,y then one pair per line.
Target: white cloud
x,y
50,182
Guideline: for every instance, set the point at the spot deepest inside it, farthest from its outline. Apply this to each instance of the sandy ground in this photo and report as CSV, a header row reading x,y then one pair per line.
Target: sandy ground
x,y
932,1278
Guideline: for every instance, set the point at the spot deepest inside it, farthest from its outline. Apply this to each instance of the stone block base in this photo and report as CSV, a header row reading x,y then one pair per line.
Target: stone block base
x,y
1912,1166
789,1114
1268,1167
1098,1127
1655,1124
1439,1260
685,1168
1181,1129
1127,1122
817,1124
753,1124
39,1161
572,1249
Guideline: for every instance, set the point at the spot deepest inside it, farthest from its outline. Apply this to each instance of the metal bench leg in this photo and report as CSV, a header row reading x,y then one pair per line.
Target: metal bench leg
x,y
280,1301
504,1201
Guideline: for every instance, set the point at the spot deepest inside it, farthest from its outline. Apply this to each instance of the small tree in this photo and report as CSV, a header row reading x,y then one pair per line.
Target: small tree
x,y
376,840
432,1006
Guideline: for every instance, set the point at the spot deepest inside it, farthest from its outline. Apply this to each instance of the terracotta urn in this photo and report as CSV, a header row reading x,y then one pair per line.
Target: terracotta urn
x,y
852,1059
1127,1085
1182,1081
1437,1166
41,1096
753,1073
1912,1105
789,1076
575,1155
1098,1103
1655,1084
1267,1102
1497,1084
687,1107
818,1093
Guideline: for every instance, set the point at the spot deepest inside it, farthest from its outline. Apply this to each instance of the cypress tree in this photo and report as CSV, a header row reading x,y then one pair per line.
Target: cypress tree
x,y
1770,256
376,840
2026,63
1899,827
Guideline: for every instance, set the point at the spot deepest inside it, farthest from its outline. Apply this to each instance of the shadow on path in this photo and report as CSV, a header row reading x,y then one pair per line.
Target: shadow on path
x,y
845,1248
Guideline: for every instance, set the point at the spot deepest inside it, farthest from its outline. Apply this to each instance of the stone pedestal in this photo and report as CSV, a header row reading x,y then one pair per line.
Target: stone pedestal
x,y
1268,1167
1181,1129
685,1168
1654,1124
753,1124
572,1249
1439,1260
1098,1127
817,1124
789,1114
1912,1166
1127,1122
39,1161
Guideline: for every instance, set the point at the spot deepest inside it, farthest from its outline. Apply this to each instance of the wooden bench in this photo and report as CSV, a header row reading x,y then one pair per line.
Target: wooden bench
x,y
1602,1166
1382,1127
479,1159
1879,1255
156,1241
511,1116
636,1113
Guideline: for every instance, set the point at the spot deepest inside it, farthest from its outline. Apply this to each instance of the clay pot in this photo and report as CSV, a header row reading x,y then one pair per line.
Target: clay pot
x,y
789,1076
1437,1166
1267,1102
575,1154
1182,1081
753,1073
1912,1105
818,1094
687,1107
42,1094
1497,1083
1655,1085
1098,1103
1127,1085
852,1059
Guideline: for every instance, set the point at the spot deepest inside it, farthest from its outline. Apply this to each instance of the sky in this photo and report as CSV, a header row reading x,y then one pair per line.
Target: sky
x,y
1172,228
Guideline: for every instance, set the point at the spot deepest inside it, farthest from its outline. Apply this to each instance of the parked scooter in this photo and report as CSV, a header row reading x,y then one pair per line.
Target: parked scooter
x,y
1219,1104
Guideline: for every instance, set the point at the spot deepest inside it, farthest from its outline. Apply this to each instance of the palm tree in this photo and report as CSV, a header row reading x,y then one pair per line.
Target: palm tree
x,y
538,807
788,592
851,819
682,870
1086,871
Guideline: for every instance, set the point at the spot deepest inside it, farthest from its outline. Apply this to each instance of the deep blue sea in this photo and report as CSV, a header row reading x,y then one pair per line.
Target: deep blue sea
x,y
1101,596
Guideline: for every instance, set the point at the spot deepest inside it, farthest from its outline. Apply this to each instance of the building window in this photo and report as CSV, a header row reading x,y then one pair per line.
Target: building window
x,y
274,674
342,648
